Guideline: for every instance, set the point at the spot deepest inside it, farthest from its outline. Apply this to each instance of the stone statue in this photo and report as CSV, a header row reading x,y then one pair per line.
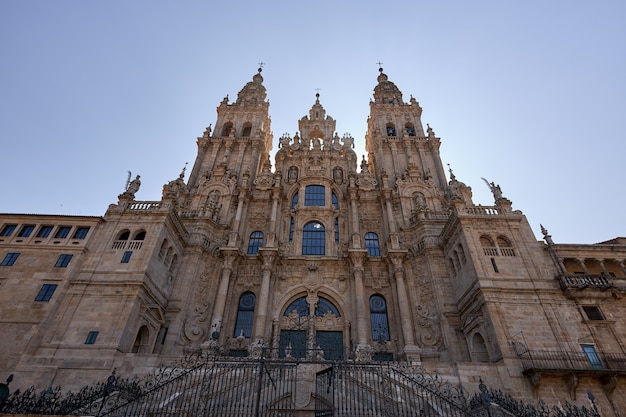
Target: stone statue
x,y
495,189
133,187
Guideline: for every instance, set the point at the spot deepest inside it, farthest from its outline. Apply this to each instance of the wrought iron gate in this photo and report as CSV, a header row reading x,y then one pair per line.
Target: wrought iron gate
x,y
377,390
235,388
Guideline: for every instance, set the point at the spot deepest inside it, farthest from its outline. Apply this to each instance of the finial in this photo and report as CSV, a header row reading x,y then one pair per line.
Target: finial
x,y
317,94
547,237
261,66
380,66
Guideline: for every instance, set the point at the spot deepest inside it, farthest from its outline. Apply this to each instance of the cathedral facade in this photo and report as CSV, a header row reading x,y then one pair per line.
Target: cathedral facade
x,y
320,257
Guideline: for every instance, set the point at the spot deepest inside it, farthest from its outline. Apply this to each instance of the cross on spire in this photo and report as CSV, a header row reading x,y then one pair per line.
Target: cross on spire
x,y
261,64
380,65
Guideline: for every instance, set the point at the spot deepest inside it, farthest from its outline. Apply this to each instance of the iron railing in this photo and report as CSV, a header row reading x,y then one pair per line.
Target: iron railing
x,y
572,361
347,390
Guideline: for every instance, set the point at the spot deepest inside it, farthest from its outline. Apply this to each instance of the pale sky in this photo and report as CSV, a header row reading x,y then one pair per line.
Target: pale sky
x,y
526,94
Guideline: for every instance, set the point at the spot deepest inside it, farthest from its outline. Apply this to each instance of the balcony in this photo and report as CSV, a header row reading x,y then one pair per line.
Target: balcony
x,y
582,281
559,362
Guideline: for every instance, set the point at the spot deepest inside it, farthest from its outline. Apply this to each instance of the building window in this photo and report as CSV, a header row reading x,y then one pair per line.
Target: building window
x,y
63,261
291,230
44,231
315,195
126,257
410,129
592,356
142,341
593,313
8,230
372,245
91,338
245,314
337,230
140,235
10,259
62,232
247,129
228,127
299,306
81,232
335,201
255,242
391,130
313,239
26,231
324,307
46,291
378,317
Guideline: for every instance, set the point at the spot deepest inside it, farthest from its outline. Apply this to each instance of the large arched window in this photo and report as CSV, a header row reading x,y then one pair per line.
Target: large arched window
x,y
315,195
378,317
391,129
314,239
371,243
255,242
245,314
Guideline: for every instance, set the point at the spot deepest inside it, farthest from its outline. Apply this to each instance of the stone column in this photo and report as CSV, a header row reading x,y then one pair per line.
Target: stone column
x,y
410,349
581,262
357,257
222,292
603,267
233,237
621,265
354,219
268,256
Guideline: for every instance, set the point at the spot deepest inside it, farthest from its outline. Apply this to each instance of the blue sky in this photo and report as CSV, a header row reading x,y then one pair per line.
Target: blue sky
x,y
526,94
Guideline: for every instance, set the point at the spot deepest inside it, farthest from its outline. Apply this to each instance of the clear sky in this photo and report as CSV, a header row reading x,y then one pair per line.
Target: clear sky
x,y
530,95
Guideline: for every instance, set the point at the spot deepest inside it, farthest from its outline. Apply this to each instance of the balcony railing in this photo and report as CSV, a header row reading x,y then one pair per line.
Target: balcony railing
x,y
573,361
581,281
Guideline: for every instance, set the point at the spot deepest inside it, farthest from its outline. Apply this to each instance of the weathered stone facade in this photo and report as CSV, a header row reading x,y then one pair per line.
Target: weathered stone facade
x,y
319,256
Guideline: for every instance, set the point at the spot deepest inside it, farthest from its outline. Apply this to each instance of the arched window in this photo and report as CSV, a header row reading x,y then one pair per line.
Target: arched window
x,y
489,248
371,243
315,195
141,235
335,201
141,341
337,230
324,307
294,201
247,129
245,314
227,129
479,349
391,129
314,239
300,306
255,242
291,230
410,129
378,317
124,235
